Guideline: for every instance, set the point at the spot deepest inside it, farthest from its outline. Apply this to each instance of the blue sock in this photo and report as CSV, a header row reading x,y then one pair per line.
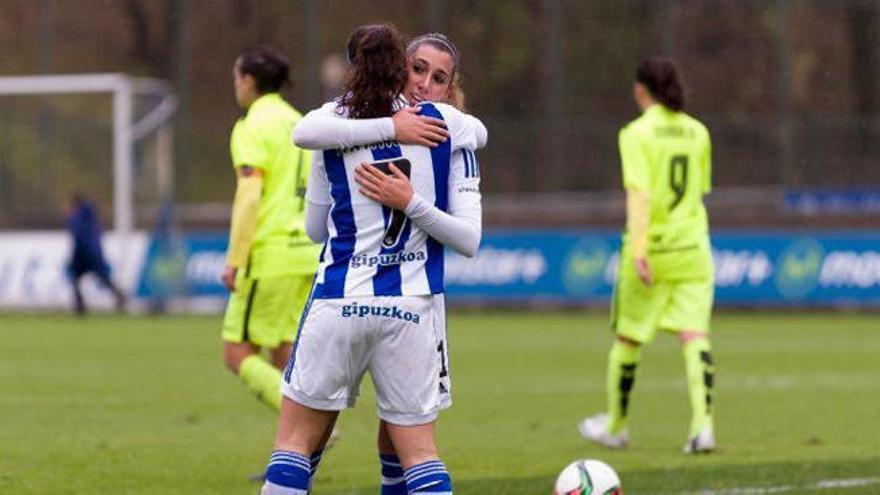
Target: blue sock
x,y
313,464
428,477
392,475
288,474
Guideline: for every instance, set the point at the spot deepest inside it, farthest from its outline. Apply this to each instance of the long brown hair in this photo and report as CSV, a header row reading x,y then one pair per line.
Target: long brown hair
x,y
662,78
378,72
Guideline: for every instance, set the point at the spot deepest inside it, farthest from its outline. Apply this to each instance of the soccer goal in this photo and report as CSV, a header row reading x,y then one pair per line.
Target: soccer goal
x,y
141,113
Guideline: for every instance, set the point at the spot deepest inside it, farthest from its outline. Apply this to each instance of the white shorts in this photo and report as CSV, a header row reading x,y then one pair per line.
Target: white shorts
x,y
401,340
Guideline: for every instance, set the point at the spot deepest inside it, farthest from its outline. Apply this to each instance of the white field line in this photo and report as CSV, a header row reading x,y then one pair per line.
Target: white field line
x,y
817,486
861,381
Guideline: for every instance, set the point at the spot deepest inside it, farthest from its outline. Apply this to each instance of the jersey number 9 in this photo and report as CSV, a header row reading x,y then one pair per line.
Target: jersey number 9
x,y
678,176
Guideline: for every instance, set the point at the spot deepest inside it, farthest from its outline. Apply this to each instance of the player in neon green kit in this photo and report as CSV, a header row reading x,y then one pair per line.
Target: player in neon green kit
x,y
271,262
666,278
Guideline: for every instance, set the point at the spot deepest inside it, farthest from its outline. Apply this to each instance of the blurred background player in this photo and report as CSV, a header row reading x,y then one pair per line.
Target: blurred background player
x,y
87,255
404,349
666,277
270,262
432,75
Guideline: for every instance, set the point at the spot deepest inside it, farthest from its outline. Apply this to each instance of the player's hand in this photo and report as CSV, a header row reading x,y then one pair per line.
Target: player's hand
x,y
412,128
394,191
643,269
228,277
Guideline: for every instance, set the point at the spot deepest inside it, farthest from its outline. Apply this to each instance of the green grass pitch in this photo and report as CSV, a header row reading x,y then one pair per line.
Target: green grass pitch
x,y
140,405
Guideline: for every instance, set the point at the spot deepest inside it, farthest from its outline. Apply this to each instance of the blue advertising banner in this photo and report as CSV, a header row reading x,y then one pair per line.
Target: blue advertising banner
x,y
814,268
551,265
857,201
189,265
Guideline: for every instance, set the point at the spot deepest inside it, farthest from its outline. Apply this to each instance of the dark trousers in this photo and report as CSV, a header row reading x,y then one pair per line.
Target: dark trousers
x,y
103,275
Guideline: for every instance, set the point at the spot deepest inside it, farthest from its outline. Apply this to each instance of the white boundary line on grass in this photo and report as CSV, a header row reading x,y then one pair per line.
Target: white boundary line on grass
x,y
819,485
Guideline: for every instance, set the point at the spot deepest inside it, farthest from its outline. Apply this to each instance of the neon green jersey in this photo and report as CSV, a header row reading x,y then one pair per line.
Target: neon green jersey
x,y
262,139
668,155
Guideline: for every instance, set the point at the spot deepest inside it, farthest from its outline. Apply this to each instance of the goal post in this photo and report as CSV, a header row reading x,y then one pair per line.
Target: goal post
x,y
126,131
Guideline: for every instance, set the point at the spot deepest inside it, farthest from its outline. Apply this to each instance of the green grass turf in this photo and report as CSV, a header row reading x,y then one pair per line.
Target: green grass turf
x,y
143,405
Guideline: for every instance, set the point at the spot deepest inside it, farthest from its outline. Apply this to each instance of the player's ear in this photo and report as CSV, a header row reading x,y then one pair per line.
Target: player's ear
x,y
249,85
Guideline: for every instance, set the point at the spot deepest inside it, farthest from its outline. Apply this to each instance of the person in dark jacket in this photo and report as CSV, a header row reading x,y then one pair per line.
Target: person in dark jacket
x,y
87,256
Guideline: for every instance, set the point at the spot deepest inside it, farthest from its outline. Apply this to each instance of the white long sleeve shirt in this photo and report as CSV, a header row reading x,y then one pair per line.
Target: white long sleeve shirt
x,y
372,250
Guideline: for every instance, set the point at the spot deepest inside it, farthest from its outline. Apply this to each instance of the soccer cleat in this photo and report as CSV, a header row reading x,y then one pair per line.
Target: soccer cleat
x,y
701,443
595,429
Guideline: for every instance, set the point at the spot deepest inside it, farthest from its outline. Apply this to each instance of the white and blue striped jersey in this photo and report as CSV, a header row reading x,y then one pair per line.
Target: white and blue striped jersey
x,y
368,252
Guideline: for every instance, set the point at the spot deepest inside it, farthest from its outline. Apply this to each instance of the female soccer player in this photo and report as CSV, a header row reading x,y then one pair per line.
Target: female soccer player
x,y
377,302
270,262
432,75
666,272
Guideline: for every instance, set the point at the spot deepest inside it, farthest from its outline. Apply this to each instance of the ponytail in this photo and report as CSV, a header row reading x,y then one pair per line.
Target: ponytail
x,y
378,72
662,78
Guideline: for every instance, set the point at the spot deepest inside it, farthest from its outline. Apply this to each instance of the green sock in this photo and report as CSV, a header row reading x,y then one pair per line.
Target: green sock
x,y
700,376
263,379
623,360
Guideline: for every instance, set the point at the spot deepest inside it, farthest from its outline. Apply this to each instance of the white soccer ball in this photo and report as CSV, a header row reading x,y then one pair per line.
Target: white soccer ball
x,y
588,477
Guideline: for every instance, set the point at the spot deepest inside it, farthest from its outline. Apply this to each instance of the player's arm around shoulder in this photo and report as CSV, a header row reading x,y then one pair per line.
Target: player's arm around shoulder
x,y
465,130
410,127
321,128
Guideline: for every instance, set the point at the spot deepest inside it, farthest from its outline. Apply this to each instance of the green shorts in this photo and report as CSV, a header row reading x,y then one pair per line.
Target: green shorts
x,y
266,311
670,304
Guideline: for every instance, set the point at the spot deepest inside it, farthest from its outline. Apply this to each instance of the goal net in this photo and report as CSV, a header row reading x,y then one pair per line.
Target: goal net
x,y
107,137
66,133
